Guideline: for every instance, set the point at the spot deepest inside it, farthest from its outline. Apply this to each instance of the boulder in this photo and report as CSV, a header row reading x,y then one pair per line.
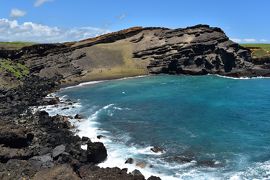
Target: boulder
x,y
100,136
85,139
78,116
129,161
153,178
44,161
136,173
57,151
156,149
96,152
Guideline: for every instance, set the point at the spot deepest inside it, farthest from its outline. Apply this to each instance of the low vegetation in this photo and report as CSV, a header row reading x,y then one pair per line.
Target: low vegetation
x,y
14,45
259,50
15,69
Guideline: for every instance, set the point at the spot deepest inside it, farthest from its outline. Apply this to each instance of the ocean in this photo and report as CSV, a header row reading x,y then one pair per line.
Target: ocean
x,y
208,127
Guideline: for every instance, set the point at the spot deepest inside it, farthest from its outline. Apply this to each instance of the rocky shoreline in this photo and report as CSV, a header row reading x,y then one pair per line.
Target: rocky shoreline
x,y
37,146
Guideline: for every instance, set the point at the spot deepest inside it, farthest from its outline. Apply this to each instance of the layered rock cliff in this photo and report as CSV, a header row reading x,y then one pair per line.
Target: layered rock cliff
x,y
196,50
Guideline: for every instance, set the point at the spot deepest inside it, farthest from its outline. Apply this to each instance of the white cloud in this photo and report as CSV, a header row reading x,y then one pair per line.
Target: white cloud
x,y
249,40
263,40
16,13
11,30
41,2
236,40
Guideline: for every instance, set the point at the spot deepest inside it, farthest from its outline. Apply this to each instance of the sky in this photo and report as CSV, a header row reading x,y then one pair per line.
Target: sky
x,y
244,21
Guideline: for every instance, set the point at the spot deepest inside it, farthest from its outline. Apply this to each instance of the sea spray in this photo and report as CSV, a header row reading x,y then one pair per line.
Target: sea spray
x,y
208,117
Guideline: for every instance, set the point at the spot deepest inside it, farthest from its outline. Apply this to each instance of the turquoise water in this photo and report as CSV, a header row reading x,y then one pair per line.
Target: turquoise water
x,y
221,125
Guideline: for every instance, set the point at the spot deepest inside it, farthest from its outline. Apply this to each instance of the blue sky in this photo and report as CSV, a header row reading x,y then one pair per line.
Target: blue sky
x,y
66,20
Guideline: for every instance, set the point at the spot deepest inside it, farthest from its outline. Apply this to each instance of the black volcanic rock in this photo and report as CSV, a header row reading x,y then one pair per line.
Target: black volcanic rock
x,y
96,152
96,173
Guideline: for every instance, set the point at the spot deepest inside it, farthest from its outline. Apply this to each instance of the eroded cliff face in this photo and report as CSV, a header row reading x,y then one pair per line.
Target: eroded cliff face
x,y
196,50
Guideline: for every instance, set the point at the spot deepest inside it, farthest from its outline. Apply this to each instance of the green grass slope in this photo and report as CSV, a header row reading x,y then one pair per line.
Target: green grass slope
x,y
258,50
14,45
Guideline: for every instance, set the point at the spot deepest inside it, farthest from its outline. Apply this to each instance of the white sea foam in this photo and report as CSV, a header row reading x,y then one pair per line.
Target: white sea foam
x,y
240,78
255,171
118,152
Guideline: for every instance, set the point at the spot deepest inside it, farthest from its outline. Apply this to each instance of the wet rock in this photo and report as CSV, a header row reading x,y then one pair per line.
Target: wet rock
x,y
50,101
85,139
78,116
129,161
180,159
100,136
156,149
96,152
153,178
136,173
208,163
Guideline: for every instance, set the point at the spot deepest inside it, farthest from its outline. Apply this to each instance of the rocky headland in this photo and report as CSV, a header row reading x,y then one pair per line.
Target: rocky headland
x,y
37,146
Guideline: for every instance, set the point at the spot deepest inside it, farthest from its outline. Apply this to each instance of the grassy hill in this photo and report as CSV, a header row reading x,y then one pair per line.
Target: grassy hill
x,y
14,45
259,50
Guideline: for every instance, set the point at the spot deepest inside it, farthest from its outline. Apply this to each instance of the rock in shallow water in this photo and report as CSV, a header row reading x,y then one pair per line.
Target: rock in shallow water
x,y
78,116
156,149
96,152
129,161
100,136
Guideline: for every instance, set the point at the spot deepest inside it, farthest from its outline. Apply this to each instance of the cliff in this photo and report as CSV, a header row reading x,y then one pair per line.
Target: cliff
x,y
195,50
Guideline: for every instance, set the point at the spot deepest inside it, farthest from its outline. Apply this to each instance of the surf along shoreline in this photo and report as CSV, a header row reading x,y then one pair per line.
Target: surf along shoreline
x,y
42,145
49,143
87,127
84,124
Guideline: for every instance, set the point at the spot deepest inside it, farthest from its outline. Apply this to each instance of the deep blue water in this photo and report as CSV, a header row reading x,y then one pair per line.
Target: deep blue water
x,y
221,120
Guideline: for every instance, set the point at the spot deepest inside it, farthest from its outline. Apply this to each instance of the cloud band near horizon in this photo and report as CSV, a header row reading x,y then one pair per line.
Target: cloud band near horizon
x,y
11,30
